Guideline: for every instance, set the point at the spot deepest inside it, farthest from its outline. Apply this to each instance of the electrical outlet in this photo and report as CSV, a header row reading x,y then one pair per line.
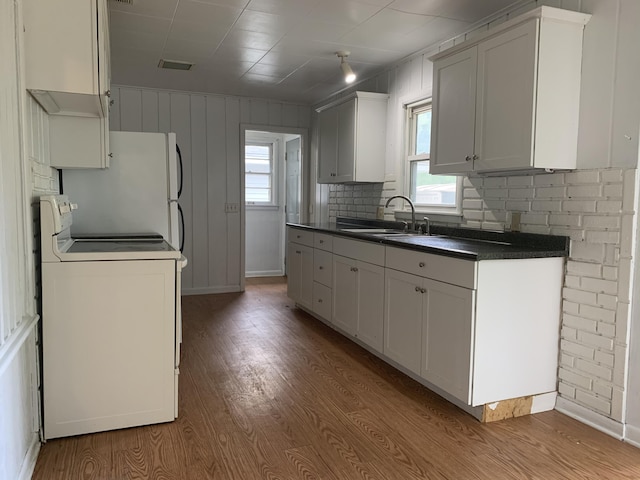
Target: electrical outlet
x,y
380,213
231,208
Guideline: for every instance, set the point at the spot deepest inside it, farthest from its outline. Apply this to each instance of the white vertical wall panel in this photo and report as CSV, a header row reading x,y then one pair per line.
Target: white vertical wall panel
x,y
130,110
207,128
199,182
150,117
217,190
235,265
114,110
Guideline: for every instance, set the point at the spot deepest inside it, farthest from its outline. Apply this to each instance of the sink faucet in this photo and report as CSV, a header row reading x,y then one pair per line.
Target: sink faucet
x,y
413,209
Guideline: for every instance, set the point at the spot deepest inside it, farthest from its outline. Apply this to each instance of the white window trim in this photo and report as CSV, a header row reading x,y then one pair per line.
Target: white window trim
x,y
274,203
448,213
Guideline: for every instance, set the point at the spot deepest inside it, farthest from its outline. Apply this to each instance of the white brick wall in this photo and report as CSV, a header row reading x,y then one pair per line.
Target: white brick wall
x,y
595,209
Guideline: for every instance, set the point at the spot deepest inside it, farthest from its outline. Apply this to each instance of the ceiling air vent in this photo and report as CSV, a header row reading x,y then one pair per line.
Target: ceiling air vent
x,y
174,65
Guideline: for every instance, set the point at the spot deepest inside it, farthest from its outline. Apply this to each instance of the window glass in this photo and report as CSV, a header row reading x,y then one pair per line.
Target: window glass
x,y
258,173
439,192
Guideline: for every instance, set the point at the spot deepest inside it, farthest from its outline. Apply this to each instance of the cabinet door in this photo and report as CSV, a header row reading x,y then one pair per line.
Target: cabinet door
x,y
403,319
506,99
447,337
327,145
346,140
454,100
300,274
370,304
345,305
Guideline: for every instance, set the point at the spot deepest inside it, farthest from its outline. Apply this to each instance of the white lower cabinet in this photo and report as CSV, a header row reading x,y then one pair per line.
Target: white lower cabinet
x,y
403,319
322,301
300,274
428,330
478,331
447,337
358,299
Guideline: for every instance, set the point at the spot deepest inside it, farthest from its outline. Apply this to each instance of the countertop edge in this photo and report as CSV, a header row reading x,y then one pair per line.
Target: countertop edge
x,y
526,252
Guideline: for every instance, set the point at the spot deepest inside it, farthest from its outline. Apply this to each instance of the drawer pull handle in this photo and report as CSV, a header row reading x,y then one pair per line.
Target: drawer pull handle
x,y
422,264
297,236
319,300
354,269
321,267
298,251
467,158
321,241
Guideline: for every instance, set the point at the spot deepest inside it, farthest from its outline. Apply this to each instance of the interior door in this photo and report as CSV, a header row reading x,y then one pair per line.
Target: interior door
x,y
292,180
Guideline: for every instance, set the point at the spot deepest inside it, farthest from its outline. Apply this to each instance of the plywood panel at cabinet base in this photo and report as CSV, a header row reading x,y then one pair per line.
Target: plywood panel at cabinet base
x,y
518,407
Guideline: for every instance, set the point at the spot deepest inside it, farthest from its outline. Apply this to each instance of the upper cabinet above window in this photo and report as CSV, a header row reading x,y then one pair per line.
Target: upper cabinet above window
x,y
67,55
508,100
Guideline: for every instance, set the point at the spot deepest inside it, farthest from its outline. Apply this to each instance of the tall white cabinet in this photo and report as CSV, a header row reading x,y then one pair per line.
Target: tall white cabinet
x,y
508,100
351,139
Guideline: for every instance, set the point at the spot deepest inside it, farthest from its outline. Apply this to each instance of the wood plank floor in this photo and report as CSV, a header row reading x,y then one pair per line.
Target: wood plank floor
x,y
267,392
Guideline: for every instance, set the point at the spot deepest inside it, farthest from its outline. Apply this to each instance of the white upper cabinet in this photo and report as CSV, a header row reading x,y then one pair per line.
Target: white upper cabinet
x,y
67,55
508,100
352,139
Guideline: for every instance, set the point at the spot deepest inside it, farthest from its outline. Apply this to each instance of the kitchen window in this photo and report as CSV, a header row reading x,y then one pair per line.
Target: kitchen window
x,y
258,162
429,193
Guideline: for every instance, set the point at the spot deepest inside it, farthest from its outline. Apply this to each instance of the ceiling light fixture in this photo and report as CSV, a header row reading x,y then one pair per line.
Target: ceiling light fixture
x,y
349,76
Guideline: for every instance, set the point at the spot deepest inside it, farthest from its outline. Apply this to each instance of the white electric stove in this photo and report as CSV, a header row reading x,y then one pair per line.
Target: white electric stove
x,y
111,327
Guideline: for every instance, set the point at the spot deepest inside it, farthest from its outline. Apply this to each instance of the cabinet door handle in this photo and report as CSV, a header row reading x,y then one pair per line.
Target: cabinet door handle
x,y
319,300
354,269
297,236
418,289
298,251
422,264
321,267
108,93
468,158
423,290
475,157
321,242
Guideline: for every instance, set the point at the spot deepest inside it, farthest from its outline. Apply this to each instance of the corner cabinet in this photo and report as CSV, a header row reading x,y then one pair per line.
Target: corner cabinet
x,y
352,139
508,100
67,71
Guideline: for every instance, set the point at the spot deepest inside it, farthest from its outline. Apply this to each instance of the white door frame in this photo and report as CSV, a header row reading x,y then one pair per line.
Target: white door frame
x,y
304,187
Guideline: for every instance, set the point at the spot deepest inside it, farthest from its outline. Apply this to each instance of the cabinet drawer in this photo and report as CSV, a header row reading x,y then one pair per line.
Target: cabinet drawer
x,y
363,251
299,235
322,300
323,241
438,267
322,267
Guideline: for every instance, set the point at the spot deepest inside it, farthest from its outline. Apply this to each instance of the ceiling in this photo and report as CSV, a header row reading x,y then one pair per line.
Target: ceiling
x,y
277,49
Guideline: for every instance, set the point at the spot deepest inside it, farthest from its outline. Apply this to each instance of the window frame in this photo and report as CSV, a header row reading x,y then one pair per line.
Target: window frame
x,y
411,111
273,202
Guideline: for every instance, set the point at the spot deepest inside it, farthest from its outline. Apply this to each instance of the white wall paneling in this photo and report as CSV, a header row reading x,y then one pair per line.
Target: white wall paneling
x,y
25,172
207,128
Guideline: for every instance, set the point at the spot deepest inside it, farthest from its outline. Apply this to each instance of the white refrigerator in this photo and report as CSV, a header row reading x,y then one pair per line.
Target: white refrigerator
x,y
138,193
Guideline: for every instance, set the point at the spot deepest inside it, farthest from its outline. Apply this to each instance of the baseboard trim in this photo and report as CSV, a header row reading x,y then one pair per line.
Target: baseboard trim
x,y
265,273
632,435
15,341
210,290
29,462
591,418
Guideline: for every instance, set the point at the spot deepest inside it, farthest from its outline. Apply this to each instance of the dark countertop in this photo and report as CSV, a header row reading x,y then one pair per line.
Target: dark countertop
x,y
463,243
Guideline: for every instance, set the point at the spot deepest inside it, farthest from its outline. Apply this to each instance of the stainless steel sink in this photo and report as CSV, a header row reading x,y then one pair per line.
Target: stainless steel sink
x,y
388,231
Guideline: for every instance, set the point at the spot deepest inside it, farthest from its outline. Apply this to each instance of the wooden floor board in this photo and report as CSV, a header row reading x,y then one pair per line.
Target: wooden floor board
x,y
268,392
